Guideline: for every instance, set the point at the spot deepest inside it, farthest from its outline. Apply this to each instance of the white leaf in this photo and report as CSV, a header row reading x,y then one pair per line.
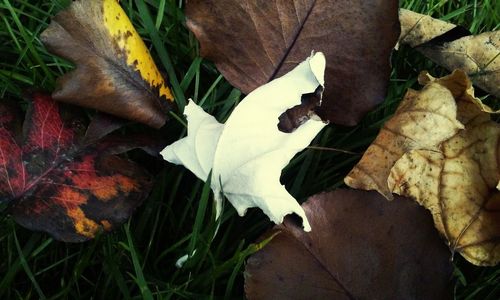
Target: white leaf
x,y
247,153
196,151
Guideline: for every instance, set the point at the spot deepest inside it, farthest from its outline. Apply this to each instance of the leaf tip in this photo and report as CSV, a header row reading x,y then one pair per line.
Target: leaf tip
x,y
317,63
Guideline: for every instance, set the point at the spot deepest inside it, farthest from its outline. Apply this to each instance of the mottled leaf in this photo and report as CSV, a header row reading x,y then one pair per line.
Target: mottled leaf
x,y
418,29
459,182
54,183
253,42
456,178
424,119
114,70
361,247
453,47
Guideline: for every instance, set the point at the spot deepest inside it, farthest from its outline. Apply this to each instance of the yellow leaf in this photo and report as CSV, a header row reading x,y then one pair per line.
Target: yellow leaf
x,y
114,70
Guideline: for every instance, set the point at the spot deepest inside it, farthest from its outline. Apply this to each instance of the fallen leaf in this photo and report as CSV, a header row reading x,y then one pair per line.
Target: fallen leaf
x,y
114,70
456,179
423,120
362,248
253,42
56,184
459,182
417,29
453,47
248,152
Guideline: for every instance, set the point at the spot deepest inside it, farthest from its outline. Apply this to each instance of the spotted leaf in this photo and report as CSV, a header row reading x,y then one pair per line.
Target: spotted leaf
x,y
100,39
441,148
454,47
57,184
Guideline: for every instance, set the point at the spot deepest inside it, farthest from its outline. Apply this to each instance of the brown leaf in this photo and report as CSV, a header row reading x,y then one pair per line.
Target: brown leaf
x,y
478,55
456,180
253,42
422,121
114,70
360,247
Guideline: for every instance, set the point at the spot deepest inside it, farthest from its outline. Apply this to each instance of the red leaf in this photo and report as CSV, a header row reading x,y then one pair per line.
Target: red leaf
x,y
12,172
46,130
59,185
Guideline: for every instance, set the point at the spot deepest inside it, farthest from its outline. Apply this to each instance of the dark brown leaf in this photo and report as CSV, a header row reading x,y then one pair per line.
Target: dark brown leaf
x,y
360,247
253,42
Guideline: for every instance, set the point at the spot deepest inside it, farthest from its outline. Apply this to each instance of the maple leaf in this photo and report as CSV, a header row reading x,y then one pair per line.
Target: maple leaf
x,y
455,175
247,154
254,42
54,182
453,47
362,247
114,70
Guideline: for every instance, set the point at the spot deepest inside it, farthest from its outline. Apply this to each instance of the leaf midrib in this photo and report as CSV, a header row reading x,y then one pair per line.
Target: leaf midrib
x,y
292,45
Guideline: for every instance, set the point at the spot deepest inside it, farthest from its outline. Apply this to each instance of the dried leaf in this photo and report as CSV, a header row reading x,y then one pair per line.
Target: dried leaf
x,y
459,183
362,247
417,29
456,180
248,152
423,120
114,70
453,48
253,42
54,183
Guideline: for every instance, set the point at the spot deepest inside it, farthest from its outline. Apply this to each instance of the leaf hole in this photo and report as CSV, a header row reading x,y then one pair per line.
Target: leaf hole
x,y
294,219
293,117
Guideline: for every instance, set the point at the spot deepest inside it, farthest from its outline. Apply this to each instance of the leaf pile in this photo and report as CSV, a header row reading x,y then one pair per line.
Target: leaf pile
x,y
441,148
57,183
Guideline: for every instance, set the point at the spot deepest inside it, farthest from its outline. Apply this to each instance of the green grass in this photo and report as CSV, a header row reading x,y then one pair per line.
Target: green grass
x,y
138,260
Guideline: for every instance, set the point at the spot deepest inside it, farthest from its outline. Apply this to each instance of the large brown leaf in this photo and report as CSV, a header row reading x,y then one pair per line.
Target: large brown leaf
x,y
453,47
253,42
360,247
456,179
114,70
